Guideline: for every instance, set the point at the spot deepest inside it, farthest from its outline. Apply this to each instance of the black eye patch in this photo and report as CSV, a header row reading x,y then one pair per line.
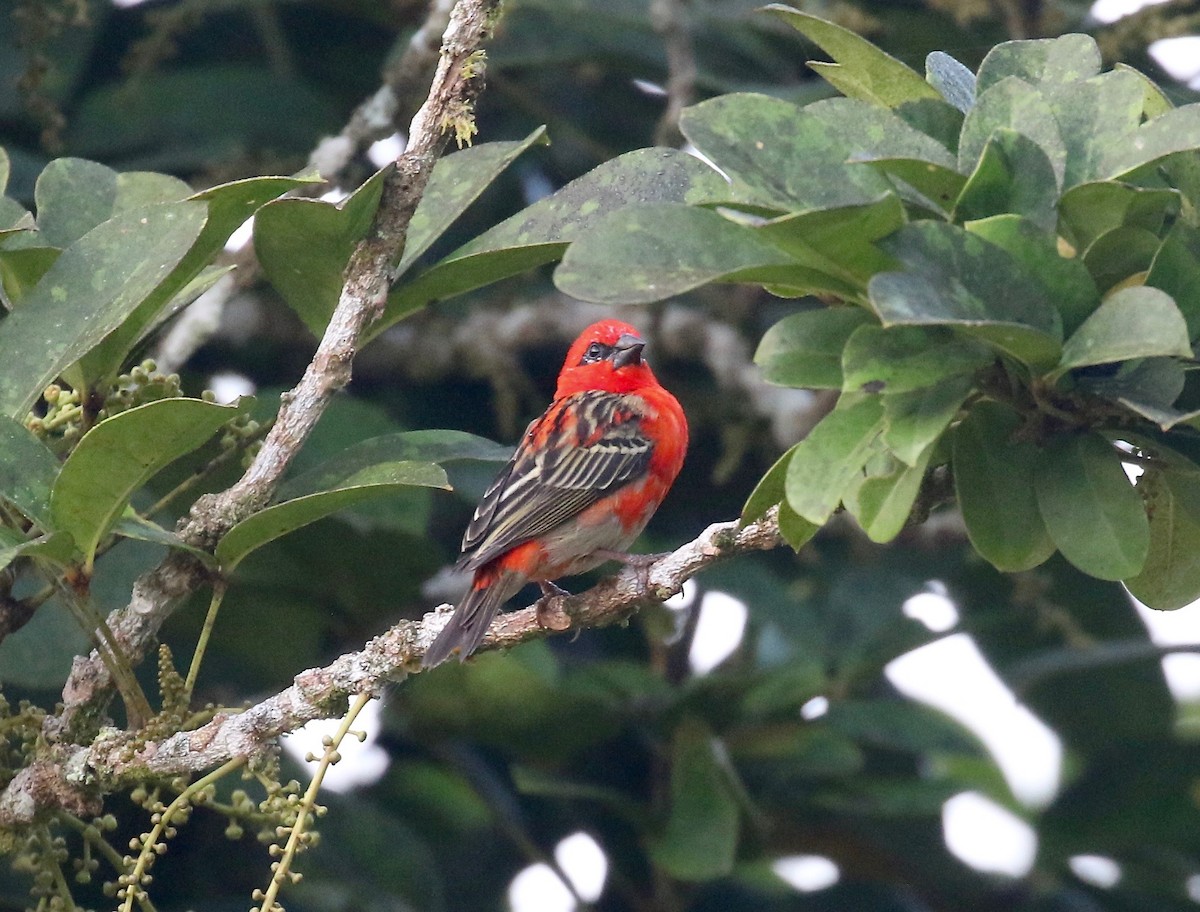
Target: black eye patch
x,y
597,351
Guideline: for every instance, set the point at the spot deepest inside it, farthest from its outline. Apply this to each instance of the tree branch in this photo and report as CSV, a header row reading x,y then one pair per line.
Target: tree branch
x,y
118,758
367,281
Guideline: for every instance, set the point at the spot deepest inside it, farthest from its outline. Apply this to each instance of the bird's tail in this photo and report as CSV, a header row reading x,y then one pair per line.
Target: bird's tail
x,y
471,619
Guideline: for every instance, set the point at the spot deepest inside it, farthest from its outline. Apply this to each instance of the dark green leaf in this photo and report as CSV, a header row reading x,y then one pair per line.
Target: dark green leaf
x,y
434,446
39,655
953,81
1176,270
1069,58
1121,256
1147,387
883,500
826,462
1092,512
901,725
652,252
1135,322
22,269
56,547
371,481
27,472
769,491
540,233
879,77
805,349
228,206
90,290
119,454
1015,105
1094,117
795,529
1170,578
840,242
992,475
1089,210
304,245
133,526
796,159
1067,282
1013,176
899,359
1178,130
701,836
957,279
913,421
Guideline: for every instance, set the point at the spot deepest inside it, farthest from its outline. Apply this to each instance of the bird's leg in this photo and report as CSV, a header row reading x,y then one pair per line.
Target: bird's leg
x,y
550,615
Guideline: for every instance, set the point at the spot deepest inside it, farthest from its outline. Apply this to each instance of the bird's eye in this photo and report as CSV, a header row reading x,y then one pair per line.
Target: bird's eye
x,y
595,352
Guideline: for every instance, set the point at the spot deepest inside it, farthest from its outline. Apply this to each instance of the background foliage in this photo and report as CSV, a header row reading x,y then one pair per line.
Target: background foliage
x,y
692,784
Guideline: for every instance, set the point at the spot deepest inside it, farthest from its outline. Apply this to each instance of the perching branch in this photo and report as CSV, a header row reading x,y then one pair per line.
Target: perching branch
x,y
322,693
368,278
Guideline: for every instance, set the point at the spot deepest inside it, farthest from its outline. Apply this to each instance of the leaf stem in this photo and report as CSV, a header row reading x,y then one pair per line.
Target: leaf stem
x,y
210,621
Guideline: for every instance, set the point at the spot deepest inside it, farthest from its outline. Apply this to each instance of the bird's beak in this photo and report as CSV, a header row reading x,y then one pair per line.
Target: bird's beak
x,y
628,350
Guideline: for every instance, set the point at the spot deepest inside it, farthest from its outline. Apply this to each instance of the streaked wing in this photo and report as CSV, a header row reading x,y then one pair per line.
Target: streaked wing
x,y
594,445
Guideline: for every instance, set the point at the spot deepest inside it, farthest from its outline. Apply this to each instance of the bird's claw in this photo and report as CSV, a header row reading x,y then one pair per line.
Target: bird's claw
x,y
550,613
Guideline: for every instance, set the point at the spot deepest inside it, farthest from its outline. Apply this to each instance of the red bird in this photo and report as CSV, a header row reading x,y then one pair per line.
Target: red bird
x,y
584,481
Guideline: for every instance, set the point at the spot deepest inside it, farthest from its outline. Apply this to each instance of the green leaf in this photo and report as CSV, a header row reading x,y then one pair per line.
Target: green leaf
x,y
791,159
433,446
992,474
540,234
1092,512
39,654
56,547
118,455
935,186
366,483
954,278
1120,256
805,349
1176,270
1170,578
1066,281
1155,102
827,461
701,835
877,77
1089,210
1013,176
1146,386
73,196
954,82
90,290
22,269
914,420
228,206
133,526
769,491
899,359
795,529
840,242
1178,130
1135,322
1012,104
27,472
652,252
883,501
1094,117
1068,58
304,245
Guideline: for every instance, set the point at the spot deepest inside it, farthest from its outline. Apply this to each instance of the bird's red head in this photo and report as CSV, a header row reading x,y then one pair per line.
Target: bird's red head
x,y
608,356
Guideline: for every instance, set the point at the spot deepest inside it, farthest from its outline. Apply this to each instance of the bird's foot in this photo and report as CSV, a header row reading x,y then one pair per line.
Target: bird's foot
x,y
550,613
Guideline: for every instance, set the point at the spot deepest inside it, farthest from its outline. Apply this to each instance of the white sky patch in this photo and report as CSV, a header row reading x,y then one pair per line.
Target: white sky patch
x,y
807,873
1112,10
227,386
719,631
334,195
1176,628
1192,885
538,889
1180,57
584,863
988,837
387,150
932,608
814,708
1098,870
646,87
684,597
952,675
241,236
362,763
